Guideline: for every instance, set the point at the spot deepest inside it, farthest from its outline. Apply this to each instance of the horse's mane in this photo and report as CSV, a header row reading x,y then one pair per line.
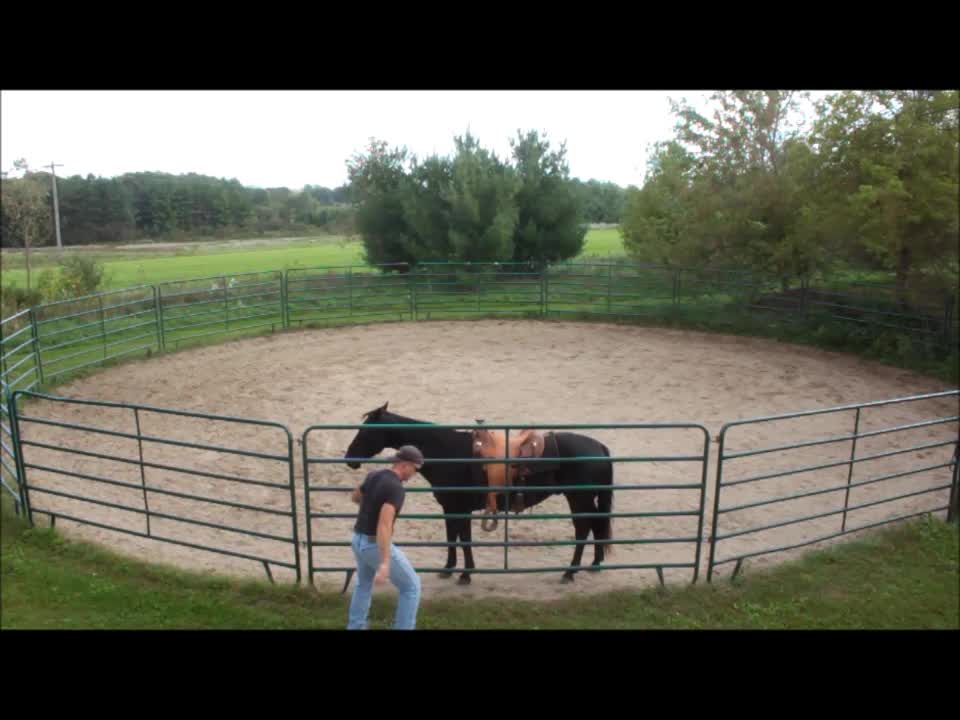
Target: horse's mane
x,y
395,418
387,416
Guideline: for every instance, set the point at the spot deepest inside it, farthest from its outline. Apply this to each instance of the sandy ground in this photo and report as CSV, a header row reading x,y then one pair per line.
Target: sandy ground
x,y
502,371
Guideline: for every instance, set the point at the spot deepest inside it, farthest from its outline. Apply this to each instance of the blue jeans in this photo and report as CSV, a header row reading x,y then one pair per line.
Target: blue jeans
x,y
402,575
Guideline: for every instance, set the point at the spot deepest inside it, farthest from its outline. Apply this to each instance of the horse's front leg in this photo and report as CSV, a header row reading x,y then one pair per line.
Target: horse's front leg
x,y
451,549
489,524
466,535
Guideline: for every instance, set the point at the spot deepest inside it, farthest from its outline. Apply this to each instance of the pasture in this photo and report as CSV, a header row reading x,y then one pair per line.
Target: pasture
x,y
150,263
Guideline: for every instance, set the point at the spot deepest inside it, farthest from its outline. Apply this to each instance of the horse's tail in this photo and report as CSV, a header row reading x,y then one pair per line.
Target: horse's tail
x,y
605,503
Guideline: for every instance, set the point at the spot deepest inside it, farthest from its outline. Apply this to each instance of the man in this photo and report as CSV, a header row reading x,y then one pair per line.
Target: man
x,y
380,497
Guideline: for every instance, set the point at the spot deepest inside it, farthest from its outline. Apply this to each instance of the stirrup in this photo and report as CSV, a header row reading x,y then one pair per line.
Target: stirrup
x,y
484,521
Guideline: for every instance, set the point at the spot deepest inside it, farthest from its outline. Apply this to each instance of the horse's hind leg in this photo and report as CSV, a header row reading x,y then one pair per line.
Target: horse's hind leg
x,y
451,549
599,549
581,527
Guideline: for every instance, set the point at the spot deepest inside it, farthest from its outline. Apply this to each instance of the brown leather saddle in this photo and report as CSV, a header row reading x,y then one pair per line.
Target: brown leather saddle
x,y
493,444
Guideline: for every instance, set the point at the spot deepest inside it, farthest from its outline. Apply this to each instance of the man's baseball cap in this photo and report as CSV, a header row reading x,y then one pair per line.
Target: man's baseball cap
x,y
408,453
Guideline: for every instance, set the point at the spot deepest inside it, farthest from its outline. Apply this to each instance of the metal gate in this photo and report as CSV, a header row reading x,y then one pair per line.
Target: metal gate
x,y
821,483
333,519
76,456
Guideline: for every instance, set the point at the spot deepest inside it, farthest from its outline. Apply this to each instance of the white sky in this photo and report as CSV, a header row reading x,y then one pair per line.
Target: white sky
x,y
285,138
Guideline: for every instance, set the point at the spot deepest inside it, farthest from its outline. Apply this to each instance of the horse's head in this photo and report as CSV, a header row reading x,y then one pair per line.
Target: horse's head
x,y
369,439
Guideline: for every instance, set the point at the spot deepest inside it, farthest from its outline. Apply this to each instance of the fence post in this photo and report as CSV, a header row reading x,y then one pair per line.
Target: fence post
x,y
853,454
3,361
703,498
676,286
545,284
306,506
506,501
350,290
7,398
953,507
18,459
226,305
35,336
413,292
103,327
158,316
609,285
293,505
543,269
716,505
284,295
163,330
143,474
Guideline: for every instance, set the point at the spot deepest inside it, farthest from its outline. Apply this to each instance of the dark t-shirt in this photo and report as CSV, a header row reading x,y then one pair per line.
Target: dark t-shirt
x,y
379,487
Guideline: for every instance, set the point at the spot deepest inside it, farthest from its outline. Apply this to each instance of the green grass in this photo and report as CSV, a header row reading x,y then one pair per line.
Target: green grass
x,y
603,242
126,268
905,576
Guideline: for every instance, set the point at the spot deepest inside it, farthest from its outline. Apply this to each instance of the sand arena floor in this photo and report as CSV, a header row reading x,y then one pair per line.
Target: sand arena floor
x,y
502,371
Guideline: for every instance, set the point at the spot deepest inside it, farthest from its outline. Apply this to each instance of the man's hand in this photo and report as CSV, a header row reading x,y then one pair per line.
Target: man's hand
x,y
355,495
383,572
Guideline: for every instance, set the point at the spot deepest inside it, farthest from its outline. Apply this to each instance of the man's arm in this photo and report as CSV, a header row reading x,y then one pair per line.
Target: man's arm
x,y
357,493
384,533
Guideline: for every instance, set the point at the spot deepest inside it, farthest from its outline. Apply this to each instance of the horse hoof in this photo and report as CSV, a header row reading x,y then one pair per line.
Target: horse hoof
x,y
464,580
445,575
566,579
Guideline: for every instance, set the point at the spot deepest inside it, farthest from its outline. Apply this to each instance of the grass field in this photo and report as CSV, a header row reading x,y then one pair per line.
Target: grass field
x,y
150,266
900,578
127,268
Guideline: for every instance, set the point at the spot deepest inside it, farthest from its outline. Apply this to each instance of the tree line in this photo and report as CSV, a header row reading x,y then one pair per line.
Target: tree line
x,y
870,183
154,205
149,205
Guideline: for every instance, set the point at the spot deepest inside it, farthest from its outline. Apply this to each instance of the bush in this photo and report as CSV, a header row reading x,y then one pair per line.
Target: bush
x,y
13,299
80,276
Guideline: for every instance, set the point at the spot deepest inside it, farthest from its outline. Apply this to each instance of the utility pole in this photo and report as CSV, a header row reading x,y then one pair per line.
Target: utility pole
x,y
56,205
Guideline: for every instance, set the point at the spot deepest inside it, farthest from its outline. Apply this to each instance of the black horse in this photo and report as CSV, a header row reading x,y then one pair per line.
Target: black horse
x,y
440,443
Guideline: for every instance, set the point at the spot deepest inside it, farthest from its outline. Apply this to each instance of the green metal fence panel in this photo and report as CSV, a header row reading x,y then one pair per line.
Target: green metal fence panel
x,y
206,496
224,305
9,460
18,371
825,506
610,290
72,335
454,290
337,295
328,528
